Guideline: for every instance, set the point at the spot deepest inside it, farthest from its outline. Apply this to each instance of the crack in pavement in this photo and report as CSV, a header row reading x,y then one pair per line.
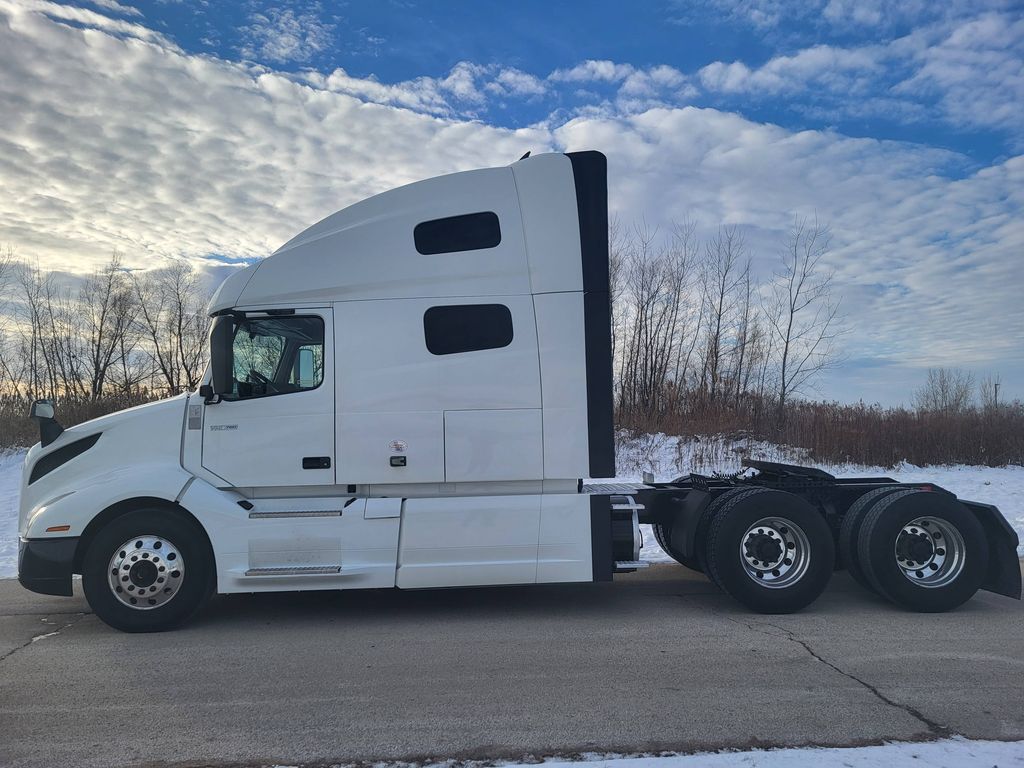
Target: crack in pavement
x,y
935,729
36,638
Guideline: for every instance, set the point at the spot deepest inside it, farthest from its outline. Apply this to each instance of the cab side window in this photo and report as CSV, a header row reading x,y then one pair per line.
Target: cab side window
x,y
277,355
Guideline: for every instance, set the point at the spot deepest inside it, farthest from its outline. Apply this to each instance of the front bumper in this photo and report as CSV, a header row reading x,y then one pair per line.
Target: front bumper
x,y
45,565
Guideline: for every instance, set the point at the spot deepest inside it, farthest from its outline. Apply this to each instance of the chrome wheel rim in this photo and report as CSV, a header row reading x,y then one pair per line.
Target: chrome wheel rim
x,y
775,552
930,552
146,572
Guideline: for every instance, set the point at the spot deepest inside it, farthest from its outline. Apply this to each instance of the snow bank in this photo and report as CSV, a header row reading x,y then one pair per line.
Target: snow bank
x,y
10,482
948,753
666,457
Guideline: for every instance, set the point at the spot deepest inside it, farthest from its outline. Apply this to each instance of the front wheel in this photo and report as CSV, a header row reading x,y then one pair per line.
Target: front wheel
x,y
770,550
147,571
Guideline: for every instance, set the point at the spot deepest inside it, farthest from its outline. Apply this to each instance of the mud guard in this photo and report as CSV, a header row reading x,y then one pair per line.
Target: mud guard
x,y
1003,575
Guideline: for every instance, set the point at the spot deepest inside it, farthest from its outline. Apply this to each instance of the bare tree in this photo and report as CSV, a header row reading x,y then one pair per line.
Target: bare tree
x,y
655,312
802,315
108,307
172,315
721,276
617,289
689,316
946,390
988,391
747,332
38,368
8,378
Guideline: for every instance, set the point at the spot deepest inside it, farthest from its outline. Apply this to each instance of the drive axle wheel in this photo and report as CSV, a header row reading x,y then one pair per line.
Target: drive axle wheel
x,y
775,552
850,529
923,550
663,534
147,571
770,550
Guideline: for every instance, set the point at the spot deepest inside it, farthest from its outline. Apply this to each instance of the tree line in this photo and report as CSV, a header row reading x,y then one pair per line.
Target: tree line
x,y
701,346
119,332
692,323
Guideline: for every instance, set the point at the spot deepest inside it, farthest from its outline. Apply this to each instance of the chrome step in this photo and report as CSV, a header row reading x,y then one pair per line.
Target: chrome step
x,y
297,570
297,513
629,505
632,565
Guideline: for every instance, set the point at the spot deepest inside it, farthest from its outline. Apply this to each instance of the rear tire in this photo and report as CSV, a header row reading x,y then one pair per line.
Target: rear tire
x,y
147,571
663,534
923,550
850,529
777,535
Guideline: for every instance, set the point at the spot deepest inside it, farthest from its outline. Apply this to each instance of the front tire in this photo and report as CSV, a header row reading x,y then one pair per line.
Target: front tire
x,y
147,571
770,550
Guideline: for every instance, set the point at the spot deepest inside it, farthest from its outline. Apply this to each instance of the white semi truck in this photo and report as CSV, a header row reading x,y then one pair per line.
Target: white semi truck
x,y
407,394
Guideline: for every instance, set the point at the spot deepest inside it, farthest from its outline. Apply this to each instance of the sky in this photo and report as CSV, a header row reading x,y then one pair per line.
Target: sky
x,y
214,131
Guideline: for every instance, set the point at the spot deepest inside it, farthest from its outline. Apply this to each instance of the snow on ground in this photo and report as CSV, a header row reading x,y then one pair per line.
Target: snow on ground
x,y
10,481
948,753
667,458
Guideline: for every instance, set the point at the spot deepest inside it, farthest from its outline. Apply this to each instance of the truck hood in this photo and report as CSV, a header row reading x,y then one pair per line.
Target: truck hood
x,y
148,433
137,416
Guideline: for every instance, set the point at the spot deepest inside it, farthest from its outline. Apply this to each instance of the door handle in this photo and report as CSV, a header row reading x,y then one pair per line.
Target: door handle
x,y
316,462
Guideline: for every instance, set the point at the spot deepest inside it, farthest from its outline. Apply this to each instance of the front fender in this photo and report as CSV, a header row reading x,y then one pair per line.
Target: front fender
x,y
76,506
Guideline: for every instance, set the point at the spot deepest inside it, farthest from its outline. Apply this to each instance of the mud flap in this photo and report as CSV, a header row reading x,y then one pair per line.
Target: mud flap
x,y
1003,575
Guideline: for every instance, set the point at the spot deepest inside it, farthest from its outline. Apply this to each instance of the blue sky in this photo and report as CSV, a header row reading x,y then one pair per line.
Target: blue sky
x,y
214,131
399,40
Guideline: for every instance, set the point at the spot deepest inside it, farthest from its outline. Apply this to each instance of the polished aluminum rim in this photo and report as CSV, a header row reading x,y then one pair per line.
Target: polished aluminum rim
x,y
775,552
146,572
930,552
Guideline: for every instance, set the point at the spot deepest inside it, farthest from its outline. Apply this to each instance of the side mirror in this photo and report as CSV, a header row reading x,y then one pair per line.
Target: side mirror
x,y
42,409
304,368
222,364
43,412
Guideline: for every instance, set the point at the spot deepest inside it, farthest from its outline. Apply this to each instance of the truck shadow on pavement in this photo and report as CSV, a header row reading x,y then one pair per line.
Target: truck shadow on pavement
x,y
643,593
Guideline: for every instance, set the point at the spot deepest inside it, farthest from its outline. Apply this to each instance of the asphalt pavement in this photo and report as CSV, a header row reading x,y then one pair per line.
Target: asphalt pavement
x,y
658,660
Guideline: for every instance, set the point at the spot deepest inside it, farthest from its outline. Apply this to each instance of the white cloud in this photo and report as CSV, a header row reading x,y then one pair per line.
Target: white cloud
x,y
280,35
517,83
116,7
969,73
593,71
791,19
977,73
460,92
125,142
31,12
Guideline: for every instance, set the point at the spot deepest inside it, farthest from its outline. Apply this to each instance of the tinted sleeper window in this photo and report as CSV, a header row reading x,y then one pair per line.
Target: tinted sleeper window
x,y
467,328
469,232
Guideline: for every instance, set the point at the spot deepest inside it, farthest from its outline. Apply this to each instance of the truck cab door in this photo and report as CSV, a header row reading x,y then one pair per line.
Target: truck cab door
x,y
276,429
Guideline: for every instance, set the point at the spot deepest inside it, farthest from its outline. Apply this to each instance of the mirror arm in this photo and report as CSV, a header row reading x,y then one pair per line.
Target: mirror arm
x,y
49,428
209,396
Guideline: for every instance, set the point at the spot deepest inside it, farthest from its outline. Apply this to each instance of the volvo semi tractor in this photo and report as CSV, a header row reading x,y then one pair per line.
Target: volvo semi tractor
x,y
416,392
